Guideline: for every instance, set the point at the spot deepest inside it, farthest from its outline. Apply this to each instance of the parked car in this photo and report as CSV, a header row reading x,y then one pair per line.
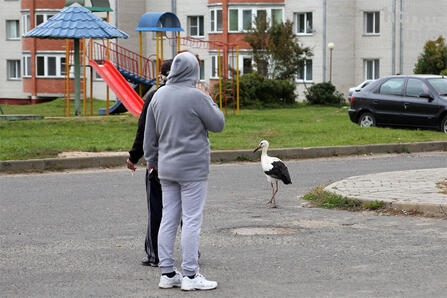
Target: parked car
x,y
410,101
358,88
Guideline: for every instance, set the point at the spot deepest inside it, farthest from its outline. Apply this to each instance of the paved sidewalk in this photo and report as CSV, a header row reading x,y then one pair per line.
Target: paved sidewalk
x,y
422,191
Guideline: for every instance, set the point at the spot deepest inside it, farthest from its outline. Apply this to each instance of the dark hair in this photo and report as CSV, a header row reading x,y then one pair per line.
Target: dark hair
x,y
166,67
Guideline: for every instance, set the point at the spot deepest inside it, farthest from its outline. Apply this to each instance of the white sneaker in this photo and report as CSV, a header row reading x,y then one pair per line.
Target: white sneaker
x,y
197,283
171,282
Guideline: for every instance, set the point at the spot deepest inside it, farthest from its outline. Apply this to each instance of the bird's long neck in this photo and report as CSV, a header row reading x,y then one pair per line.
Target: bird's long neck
x,y
264,151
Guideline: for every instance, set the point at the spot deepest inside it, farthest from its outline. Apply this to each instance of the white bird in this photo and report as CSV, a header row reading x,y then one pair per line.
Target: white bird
x,y
274,169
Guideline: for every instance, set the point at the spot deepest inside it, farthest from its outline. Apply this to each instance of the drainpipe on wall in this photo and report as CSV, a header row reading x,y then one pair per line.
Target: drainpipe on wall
x,y
174,10
324,41
401,54
393,45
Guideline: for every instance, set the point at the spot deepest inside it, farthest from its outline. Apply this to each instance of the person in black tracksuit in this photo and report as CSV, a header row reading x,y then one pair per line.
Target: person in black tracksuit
x,y
153,187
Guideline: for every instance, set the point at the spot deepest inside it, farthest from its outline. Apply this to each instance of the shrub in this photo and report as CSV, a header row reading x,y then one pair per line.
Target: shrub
x,y
255,91
324,94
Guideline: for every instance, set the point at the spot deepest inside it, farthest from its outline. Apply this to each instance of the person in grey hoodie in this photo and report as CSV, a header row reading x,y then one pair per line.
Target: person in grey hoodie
x,y
179,149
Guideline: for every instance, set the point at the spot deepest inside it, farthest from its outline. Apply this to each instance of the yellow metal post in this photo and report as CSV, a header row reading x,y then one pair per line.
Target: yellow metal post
x,y
107,89
161,48
178,41
220,78
237,78
158,61
84,70
140,89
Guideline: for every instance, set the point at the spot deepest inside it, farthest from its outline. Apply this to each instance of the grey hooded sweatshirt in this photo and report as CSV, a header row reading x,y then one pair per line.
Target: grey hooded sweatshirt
x,y
177,124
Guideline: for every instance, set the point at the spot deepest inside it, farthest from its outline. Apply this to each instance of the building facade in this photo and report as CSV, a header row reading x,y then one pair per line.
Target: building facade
x,y
34,68
371,39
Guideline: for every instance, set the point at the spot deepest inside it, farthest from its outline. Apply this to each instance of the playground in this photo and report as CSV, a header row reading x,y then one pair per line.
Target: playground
x,y
129,74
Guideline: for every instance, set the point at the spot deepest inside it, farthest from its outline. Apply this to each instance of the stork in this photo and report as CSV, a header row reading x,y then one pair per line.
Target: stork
x,y
274,169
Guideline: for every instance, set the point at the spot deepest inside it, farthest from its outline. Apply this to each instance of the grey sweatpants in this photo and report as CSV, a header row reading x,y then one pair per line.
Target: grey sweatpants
x,y
183,200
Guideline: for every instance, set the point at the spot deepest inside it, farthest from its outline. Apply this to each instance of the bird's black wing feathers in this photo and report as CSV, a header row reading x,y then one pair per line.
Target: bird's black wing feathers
x,y
279,171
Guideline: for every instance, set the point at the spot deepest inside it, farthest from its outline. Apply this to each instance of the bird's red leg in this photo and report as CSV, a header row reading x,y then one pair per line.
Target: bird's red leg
x,y
273,194
273,198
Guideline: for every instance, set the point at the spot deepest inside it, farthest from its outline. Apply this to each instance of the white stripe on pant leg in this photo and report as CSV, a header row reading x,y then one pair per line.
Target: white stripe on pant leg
x,y
193,202
169,222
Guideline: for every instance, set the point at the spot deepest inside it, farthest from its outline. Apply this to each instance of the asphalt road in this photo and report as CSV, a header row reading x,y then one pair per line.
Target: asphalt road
x,y
79,234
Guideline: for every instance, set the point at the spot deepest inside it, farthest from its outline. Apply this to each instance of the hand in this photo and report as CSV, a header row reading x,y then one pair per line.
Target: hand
x,y
131,165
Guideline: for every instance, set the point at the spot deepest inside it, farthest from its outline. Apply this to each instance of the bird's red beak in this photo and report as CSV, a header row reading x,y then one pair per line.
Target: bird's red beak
x,y
257,148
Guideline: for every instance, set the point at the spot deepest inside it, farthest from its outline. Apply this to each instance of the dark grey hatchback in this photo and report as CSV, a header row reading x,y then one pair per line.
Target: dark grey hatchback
x,y
410,100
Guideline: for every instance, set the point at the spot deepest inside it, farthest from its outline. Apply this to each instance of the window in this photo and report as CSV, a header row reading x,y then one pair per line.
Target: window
x,y
216,20
392,87
372,69
304,23
202,70
241,19
50,66
234,20
214,66
247,66
247,19
305,72
13,69
195,26
276,16
415,88
25,23
42,18
26,61
12,29
372,23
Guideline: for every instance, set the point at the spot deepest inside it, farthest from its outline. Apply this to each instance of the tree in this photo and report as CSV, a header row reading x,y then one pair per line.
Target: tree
x,y
433,59
287,54
258,40
278,44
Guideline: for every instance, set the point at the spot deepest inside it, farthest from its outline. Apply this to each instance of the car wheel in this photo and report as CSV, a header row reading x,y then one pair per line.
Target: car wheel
x,y
444,125
367,120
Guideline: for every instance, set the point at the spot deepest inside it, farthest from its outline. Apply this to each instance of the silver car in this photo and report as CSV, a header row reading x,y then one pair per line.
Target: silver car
x,y
358,88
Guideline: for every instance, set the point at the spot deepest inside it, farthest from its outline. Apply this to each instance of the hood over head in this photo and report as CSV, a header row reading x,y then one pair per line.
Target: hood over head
x,y
184,69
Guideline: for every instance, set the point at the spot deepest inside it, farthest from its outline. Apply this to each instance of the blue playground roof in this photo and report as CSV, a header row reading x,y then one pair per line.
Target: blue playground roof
x,y
75,21
159,21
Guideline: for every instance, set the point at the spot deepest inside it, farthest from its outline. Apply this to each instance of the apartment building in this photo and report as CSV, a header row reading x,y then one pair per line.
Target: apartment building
x,y
34,68
371,38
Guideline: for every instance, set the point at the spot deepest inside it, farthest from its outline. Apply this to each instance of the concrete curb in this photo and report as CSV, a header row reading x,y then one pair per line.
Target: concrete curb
x,y
59,164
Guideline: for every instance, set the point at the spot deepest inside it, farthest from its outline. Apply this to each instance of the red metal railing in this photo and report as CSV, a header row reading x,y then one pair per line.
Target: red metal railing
x,y
123,59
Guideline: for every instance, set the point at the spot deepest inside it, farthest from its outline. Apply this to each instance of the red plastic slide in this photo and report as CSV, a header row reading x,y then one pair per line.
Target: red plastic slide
x,y
119,86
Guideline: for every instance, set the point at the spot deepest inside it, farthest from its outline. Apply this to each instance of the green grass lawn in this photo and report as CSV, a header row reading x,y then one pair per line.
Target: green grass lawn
x,y
304,126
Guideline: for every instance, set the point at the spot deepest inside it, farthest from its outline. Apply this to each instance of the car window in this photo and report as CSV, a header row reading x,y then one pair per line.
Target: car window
x,y
440,85
415,88
392,87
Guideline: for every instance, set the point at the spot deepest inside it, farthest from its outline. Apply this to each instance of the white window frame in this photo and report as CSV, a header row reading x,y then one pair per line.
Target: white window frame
x,y
18,70
26,23
305,33
17,25
374,75
254,12
26,71
58,66
305,78
46,16
214,65
197,17
376,15
202,70
213,27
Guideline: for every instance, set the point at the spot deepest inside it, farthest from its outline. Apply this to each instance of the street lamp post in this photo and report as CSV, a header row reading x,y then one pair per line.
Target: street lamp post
x,y
331,47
